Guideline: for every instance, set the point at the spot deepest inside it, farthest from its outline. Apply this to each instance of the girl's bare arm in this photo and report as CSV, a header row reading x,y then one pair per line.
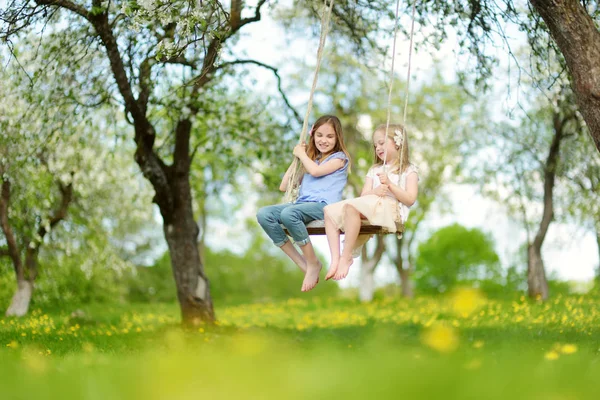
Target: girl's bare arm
x,y
408,196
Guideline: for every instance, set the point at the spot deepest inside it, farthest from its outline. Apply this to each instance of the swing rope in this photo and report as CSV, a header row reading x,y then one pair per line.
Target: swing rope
x,y
389,105
297,169
317,227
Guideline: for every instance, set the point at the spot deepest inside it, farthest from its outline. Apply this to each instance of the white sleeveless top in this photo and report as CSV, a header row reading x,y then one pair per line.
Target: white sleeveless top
x,y
399,180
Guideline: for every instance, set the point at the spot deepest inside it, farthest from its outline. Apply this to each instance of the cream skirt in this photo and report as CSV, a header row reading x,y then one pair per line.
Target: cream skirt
x,y
379,211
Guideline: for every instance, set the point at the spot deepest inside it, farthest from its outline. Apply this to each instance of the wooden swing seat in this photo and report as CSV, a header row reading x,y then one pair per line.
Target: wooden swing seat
x,y
318,228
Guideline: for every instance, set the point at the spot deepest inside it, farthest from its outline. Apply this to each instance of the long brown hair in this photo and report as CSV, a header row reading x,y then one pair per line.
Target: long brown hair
x,y
402,154
312,152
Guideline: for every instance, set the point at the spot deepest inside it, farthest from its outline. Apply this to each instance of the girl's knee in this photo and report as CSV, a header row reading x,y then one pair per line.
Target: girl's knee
x,y
349,209
288,216
263,215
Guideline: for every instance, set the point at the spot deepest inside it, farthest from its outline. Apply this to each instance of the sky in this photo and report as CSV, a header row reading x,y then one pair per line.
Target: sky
x,y
569,252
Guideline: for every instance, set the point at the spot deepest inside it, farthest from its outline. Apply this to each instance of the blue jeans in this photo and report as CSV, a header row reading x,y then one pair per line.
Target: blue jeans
x,y
294,216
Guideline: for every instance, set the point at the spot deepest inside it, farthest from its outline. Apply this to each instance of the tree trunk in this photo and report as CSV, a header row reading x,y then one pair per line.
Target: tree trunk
x,y
578,38
26,272
536,275
404,273
19,304
406,283
192,285
367,282
181,232
171,184
367,270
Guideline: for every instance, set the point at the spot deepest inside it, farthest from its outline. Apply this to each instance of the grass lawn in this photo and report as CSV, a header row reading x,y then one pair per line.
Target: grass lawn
x,y
456,346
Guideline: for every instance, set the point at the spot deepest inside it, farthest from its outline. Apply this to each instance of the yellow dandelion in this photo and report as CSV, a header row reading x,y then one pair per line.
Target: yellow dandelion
x,y
551,355
465,301
478,344
13,344
568,349
440,337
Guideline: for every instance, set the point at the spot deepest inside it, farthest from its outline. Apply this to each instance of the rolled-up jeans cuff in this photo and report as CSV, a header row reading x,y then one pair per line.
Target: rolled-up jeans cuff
x,y
280,244
303,242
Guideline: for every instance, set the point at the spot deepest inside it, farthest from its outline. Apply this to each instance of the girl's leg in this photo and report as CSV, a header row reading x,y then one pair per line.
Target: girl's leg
x,y
333,238
269,219
351,230
313,267
290,250
295,218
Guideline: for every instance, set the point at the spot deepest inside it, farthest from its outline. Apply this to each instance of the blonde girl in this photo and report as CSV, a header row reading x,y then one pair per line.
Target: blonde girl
x,y
385,199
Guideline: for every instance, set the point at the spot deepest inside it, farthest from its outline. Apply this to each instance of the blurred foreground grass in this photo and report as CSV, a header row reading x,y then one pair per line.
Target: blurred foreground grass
x,y
456,346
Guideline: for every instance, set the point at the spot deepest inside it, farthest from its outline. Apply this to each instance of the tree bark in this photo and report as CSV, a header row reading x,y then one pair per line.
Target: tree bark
x,y
181,233
19,304
578,39
193,292
536,274
406,286
404,273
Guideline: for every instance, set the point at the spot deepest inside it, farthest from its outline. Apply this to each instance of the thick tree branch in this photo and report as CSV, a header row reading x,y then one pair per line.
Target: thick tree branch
x,y
549,180
578,38
145,83
181,154
66,4
61,212
255,18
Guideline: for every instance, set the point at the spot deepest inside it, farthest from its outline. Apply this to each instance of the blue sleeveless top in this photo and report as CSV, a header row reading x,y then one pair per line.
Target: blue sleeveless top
x,y
325,189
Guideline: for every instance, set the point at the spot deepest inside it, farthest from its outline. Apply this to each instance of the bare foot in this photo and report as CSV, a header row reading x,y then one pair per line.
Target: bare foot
x,y
343,267
312,276
332,270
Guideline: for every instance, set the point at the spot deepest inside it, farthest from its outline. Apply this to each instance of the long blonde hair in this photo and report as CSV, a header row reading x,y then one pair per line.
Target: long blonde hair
x,y
402,162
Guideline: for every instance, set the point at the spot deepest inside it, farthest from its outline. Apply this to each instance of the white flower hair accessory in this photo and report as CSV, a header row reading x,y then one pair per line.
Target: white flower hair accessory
x,y
398,137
